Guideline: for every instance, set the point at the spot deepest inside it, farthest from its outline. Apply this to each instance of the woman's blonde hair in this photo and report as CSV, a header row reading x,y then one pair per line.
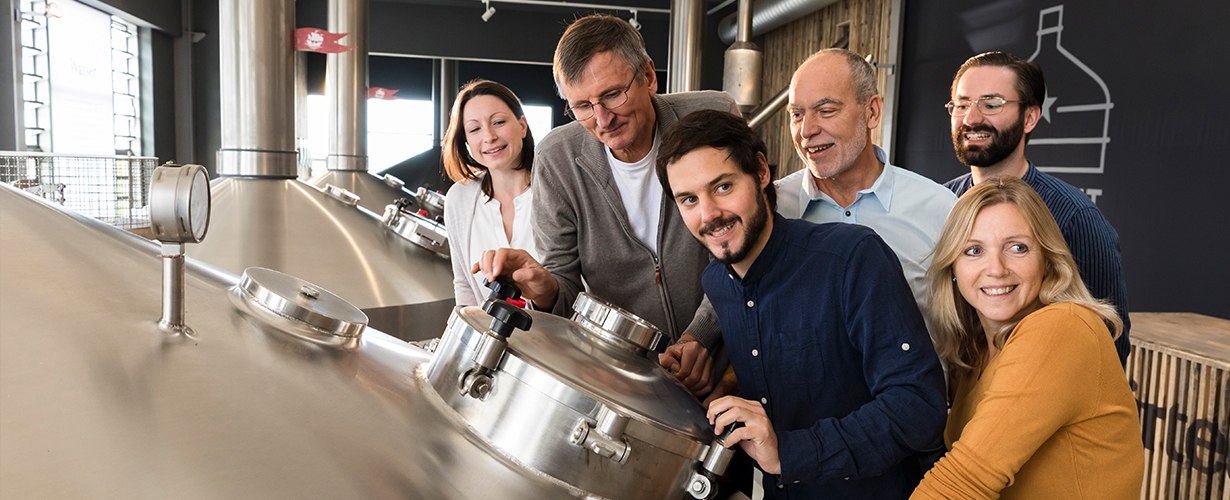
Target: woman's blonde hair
x,y
959,339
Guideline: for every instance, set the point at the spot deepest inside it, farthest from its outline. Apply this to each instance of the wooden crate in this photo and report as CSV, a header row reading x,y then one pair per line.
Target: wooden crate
x,y
1179,370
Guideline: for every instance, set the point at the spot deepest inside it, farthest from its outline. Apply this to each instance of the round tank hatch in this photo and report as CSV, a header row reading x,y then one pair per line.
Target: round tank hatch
x,y
301,308
616,325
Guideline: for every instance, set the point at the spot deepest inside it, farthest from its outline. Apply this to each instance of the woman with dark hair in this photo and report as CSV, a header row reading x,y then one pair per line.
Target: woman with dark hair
x,y
488,152
1041,407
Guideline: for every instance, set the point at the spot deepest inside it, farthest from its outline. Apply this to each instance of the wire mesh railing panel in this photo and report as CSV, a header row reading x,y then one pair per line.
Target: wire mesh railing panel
x,y
113,189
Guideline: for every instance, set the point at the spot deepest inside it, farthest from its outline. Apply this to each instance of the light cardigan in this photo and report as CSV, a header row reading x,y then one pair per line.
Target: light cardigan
x,y
463,201
1051,417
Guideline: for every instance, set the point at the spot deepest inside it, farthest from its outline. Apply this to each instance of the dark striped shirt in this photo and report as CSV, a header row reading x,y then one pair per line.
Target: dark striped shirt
x,y
1091,239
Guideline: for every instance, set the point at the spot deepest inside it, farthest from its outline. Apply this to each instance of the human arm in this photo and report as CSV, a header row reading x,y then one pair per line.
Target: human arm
x,y
899,368
691,359
1043,379
756,437
1095,248
555,236
535,282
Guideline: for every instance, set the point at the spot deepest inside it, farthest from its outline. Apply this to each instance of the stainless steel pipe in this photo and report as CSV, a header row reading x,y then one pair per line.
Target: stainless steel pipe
x,y
172,287
686,40
346,87
769,15
741,75
258,80
762,114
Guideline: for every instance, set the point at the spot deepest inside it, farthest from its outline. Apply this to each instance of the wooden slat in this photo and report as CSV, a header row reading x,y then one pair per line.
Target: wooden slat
x,y
1179,368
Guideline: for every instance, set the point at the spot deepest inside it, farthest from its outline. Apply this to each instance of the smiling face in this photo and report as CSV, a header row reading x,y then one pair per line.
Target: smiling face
x,y
493,135
724,207
830,128
981,140
1000,270
627,129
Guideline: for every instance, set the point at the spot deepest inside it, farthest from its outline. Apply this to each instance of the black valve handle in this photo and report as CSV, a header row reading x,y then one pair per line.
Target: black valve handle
x,y
402,203
502,289
729,429
505,316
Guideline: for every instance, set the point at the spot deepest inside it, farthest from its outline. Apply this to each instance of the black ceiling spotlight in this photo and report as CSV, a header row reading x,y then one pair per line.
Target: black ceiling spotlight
x,y
489,12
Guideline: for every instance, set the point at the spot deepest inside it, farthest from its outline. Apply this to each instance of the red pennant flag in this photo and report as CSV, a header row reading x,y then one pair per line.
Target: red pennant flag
x,y
382,93
318,40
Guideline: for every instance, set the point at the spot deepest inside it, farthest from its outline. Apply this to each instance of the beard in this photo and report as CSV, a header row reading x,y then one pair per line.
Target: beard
x,y
1002,143
753,229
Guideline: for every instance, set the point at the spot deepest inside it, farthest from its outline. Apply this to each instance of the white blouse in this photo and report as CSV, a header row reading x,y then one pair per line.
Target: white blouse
x,y
475,225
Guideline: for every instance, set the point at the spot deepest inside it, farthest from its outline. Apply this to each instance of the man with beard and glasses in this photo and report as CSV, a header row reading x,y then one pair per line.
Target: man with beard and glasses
x,y
996,102
839,386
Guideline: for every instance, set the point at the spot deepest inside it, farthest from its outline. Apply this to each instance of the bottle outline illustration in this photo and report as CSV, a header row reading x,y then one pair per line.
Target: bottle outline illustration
x,y
1050,101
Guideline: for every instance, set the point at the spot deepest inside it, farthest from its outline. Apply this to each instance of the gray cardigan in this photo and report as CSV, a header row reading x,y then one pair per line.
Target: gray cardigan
x,y
581,230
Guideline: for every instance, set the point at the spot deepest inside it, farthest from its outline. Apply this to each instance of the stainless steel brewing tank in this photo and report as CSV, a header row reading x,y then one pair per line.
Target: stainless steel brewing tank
x,y
98,402
582,404
291,226
374,192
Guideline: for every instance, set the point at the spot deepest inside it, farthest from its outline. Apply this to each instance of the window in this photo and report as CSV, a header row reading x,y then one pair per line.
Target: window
x,y
80,79
396,130
35,86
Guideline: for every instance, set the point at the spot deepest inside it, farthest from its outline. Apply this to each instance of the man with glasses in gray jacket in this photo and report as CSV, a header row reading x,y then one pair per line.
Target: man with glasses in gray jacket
x,y
600,220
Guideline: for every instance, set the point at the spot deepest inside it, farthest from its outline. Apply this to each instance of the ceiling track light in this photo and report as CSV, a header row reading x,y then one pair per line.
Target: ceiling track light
x,y
636,25
489,12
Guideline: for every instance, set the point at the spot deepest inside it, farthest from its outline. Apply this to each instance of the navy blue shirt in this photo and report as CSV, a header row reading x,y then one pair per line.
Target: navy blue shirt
x,y
824,332
1091,239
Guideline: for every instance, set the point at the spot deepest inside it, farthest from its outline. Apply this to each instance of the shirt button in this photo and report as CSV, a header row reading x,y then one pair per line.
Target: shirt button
x,y
847,479
750,303
755,352
847,213
764,401
905,347
731,276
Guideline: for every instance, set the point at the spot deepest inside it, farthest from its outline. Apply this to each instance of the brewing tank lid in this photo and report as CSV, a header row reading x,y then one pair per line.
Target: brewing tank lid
x,y
302,302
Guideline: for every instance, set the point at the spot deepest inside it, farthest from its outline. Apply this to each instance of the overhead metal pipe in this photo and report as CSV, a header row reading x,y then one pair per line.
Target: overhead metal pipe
x,y
741,74
760,115
768,15
258,73
686,40
346,87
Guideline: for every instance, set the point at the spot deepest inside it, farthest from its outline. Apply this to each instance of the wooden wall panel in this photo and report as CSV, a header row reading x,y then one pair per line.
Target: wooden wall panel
x,y
867,22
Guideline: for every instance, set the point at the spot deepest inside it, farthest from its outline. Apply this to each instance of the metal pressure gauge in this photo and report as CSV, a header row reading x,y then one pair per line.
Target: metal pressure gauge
x,y
179,203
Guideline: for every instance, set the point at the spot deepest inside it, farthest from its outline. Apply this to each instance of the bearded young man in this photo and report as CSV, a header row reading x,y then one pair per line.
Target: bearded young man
x,y
996,103
839,386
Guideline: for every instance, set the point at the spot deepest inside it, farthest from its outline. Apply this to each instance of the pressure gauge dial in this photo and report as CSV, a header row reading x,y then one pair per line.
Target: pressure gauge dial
x,y
179,203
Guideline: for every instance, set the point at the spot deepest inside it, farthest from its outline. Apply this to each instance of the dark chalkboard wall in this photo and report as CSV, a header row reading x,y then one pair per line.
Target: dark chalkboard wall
x,y
1139,118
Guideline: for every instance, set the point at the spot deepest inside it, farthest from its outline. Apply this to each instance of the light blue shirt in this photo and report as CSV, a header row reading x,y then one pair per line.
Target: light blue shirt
x,y
907,210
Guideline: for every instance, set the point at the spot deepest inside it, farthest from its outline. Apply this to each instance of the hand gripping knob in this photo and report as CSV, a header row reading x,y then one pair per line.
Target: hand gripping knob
x,y
505,316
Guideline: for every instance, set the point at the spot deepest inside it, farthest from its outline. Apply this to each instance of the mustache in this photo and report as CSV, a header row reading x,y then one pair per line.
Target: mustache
x,y
977,128
716,224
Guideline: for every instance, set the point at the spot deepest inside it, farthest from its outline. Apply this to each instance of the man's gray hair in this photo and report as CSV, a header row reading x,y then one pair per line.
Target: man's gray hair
x,y
862,73
593,35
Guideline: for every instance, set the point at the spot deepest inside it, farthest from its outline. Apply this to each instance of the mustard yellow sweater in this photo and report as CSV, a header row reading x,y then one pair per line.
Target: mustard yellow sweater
x,y
1051,417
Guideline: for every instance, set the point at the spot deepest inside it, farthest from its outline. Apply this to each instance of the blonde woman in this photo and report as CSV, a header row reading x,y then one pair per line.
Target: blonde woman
x,y
488,152
1041,407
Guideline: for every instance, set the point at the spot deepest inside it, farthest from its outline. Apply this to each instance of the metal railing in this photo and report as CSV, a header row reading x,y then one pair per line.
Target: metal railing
x,y
113,189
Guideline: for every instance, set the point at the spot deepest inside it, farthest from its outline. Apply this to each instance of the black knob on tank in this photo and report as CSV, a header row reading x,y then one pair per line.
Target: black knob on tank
x,y
505,316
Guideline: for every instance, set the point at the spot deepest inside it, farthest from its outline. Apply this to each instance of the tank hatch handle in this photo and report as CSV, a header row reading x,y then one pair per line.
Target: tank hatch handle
x,y
701,486
505,317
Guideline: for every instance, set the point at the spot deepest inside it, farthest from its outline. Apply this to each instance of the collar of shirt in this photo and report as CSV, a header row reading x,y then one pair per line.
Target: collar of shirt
x,y
881,190
768,255
1030,174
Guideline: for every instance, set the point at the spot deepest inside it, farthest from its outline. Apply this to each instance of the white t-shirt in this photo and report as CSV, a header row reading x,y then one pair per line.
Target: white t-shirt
x,y
642,193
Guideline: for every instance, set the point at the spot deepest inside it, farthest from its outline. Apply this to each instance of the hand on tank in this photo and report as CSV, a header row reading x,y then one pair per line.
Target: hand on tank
x,y
691,364
535,282
756,437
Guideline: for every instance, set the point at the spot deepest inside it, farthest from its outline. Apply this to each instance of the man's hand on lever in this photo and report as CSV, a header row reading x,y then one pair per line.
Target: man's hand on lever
x,y
536,283
691,364
756,437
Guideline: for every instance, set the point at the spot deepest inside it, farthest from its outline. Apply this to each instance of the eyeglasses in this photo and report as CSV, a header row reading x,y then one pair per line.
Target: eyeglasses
x,y
609,100
986,106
